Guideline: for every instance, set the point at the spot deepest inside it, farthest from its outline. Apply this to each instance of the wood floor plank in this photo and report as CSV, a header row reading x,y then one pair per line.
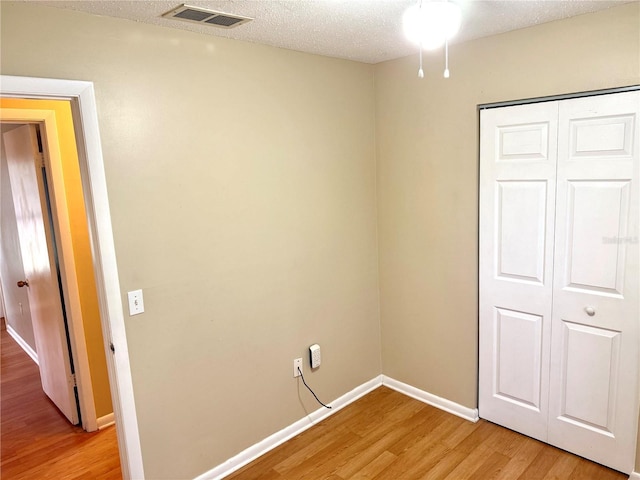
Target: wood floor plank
x,y
308,449
371,418
563,468
425,422
36,440
373,402
325,462
445,466
541,464
374,467
462,431
522,457
431,445
508,442
377,433
586,469
369,454
385,436
491,467
477,437
421,463
471,460
399,412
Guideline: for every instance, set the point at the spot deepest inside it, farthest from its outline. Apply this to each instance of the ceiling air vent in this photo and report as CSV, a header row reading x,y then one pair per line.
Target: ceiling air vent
x,y
206,17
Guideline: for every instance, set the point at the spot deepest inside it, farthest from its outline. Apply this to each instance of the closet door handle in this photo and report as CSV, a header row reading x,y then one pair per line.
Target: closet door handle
x,y
23,283
590,311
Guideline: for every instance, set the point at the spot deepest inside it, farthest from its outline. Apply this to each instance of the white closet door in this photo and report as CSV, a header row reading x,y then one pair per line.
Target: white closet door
x,y
517,198
594,354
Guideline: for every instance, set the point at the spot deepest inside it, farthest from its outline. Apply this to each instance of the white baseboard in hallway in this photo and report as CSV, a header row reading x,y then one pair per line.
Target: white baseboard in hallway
x,y
24,345
634,476
106,421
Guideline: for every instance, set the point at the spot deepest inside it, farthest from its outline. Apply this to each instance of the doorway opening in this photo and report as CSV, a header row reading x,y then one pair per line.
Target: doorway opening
x,y
57,257
81,97
29,154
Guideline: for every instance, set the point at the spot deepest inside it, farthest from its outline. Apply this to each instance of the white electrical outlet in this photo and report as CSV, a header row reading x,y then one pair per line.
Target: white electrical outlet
x,y
314,355
297,364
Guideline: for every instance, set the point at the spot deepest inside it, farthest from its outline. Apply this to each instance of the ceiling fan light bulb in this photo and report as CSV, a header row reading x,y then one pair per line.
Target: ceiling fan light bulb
x,y
431,23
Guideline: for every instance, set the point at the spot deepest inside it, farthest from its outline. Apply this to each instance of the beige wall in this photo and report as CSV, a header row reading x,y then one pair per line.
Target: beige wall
x,y
241,181
427,153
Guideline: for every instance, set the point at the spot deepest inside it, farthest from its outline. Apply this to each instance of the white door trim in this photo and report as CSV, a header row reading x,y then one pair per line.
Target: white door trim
x,y
82,97
564,96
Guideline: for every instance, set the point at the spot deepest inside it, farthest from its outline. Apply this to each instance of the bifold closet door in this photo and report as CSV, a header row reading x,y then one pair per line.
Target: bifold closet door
x,y
559,307
593,404
517,198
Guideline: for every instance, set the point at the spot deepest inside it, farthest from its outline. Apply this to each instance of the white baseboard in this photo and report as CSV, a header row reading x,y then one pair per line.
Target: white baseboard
x,y
24,345
634,476
278,438
289,432
106,421
467,413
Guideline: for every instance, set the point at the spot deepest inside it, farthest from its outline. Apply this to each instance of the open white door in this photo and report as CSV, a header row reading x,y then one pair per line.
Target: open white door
x,y
37,247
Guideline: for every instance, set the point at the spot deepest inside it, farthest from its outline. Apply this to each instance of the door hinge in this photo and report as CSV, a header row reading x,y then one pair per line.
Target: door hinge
x,y
72,380
40,159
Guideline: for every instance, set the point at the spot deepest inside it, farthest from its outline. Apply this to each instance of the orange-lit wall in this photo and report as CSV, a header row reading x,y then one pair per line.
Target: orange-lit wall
x,y
81,245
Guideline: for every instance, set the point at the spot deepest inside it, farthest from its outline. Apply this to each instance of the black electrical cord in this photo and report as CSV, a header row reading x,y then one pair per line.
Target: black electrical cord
x,y
305,384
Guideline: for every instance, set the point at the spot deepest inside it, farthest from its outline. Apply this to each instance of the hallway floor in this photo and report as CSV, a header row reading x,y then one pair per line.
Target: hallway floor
x,y
36,440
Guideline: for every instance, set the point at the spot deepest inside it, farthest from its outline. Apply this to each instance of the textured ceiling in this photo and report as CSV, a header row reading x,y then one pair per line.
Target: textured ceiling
x,y
368,31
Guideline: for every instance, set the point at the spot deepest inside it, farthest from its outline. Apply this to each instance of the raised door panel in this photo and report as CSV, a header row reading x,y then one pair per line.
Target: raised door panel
x,y
589,376
518,358
529,141
597,217
520,230
601,137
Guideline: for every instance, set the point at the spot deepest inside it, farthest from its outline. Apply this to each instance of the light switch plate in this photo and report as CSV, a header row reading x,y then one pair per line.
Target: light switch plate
x,y
136,302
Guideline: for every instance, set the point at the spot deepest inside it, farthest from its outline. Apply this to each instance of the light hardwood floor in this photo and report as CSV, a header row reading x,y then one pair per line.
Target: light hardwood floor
x,y
384,435
387,435
37,442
